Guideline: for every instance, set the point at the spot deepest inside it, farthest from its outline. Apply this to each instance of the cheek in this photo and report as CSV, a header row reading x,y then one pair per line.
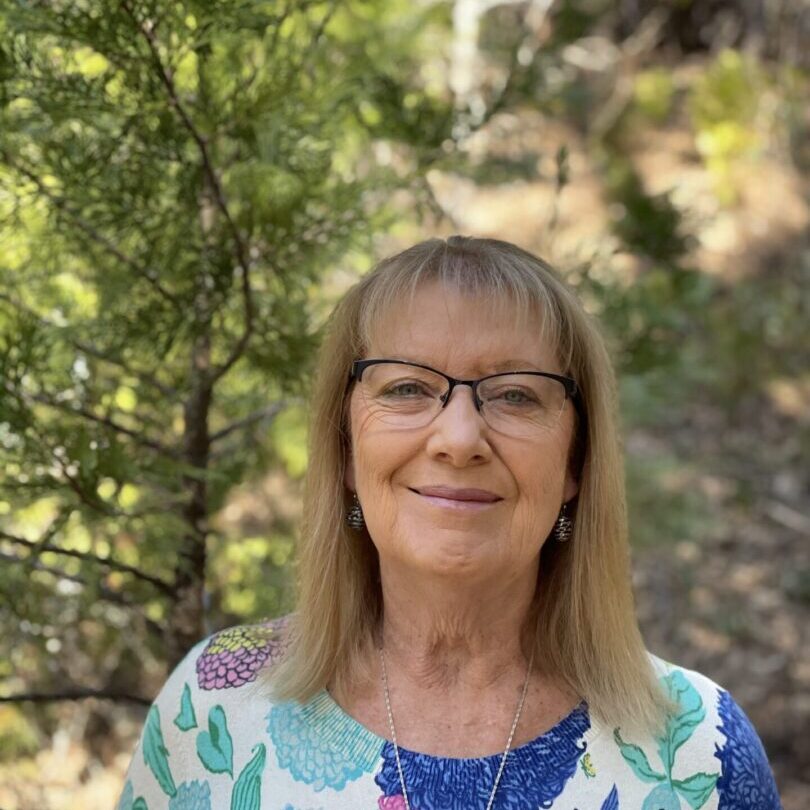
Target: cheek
x,y
542,472
541,479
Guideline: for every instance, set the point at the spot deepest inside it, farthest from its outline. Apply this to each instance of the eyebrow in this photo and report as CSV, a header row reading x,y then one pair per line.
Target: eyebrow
x,y
495,368
516,365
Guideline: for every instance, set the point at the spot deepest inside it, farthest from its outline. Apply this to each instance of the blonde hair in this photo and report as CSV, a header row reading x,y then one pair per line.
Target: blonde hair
x,y
584,624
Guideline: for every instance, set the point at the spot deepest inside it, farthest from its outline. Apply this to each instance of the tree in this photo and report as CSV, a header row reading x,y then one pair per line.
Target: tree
x,y
174,180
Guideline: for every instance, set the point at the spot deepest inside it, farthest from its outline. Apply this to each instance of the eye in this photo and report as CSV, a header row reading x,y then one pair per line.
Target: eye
x,y
515,396
405,389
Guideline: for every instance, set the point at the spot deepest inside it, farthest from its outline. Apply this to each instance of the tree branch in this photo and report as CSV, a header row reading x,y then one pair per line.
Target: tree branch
x,y
91,350
64,208
104,593
38,547
75,694
269,412
152,444
147,31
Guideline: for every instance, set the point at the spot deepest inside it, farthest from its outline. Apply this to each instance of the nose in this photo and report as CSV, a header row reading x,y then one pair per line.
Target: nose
x,y
459,384
458,432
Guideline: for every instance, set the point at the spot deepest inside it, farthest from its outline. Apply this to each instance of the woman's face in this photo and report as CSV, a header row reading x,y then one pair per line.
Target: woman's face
x,y
388,467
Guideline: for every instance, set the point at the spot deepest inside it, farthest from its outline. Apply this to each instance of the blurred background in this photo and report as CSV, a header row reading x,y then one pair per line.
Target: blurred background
x,y
185,190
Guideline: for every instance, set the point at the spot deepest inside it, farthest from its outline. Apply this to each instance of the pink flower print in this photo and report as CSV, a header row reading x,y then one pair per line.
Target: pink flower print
x,y
391,803
234,656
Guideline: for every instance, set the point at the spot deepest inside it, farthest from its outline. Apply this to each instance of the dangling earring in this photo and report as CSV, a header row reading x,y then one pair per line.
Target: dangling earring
x,y
564,527
354,517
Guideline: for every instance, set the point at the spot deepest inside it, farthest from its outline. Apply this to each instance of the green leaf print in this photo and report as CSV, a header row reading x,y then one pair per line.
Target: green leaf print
x,y
215,747
637,760
680,726
247,790
662,798
155,754
696,789
186,719
140,804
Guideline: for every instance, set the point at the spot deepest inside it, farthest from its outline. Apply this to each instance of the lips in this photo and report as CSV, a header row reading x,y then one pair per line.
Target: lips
x,y
454,494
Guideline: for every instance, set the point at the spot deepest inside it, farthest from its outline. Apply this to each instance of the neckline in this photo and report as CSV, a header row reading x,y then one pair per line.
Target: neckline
x,y
326,715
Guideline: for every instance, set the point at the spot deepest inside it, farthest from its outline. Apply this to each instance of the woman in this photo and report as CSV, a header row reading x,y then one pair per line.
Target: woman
x,y
465,635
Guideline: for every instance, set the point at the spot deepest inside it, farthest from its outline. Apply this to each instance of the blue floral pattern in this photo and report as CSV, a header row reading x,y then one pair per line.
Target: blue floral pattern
x,y
194,795
307,753
746,780
535,774
612,800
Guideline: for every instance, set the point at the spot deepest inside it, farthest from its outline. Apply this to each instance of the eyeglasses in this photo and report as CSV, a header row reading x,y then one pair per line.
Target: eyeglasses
x,y
409,395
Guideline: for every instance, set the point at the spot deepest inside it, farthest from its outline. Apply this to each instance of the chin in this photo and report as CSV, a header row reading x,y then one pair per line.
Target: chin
x,y
457,555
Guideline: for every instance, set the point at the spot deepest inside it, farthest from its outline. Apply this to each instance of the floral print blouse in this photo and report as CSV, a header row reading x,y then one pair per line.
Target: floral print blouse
x,y
213,740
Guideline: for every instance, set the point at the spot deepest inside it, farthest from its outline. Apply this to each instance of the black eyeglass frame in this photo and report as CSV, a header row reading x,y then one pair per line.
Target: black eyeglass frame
x,y
568,383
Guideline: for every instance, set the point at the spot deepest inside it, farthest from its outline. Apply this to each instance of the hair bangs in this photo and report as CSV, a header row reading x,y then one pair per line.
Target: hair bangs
x,y
514,287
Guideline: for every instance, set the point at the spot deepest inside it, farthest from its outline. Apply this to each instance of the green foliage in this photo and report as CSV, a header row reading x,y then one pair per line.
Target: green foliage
x,y
18,737
573,19
646,224
174,183
252,575
653,92
724,104
289,437
665,504
727,91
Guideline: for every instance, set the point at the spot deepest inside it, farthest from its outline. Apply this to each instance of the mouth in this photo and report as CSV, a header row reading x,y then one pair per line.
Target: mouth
x,y
458,499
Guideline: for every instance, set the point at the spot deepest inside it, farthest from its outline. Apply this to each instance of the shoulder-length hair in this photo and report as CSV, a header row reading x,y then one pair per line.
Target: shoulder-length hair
x,y
583,621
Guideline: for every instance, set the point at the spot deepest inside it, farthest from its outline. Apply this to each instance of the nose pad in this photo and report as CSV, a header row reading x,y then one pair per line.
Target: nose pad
x,y
445,398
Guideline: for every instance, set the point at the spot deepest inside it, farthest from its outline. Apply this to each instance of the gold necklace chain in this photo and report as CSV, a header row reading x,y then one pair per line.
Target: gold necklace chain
x,y
505,751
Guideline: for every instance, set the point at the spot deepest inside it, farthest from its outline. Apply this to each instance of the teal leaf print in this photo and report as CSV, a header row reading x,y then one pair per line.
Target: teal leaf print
x,y
680,726
155,754
186,719
126,802
696,789
662,798
247,790
637,760
215,747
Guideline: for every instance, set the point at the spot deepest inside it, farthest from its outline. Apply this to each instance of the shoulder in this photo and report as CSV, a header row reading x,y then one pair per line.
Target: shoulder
x,y
236,655
224,668
709,743
232,657
187,741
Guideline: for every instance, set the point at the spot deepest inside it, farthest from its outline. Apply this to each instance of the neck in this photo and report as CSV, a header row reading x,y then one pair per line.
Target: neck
x,y
459,636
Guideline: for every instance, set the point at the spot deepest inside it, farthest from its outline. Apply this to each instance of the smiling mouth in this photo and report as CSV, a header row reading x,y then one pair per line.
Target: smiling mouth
x,y
459,500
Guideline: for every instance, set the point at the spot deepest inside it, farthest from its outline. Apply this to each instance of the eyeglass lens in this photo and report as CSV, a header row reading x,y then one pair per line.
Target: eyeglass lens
x,y
408,397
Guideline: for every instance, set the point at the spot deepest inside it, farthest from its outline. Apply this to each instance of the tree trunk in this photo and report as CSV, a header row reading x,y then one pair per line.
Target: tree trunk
x,y
185,627
187,622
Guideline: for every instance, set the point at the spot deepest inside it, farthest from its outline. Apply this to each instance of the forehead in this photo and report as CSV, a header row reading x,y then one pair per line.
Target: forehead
x,y
463,333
